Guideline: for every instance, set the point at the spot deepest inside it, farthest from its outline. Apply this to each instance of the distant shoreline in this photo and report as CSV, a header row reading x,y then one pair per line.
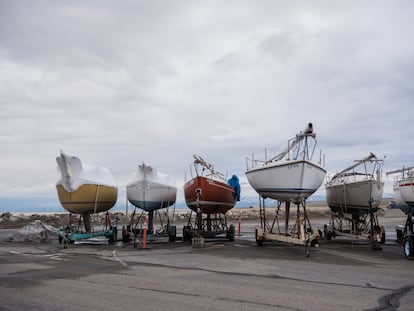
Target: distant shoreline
x,y
318,209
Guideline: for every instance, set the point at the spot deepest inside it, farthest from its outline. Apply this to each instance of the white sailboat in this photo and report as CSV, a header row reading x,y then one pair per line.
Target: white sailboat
x,y
404,188
404,199
289,177
292,175
354,195
355,190
151,190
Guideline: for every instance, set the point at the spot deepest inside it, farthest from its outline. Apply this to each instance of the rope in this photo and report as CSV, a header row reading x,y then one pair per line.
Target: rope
x,y
96,200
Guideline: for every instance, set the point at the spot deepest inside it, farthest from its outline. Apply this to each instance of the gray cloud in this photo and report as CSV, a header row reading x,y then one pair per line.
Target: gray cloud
x,y
118,83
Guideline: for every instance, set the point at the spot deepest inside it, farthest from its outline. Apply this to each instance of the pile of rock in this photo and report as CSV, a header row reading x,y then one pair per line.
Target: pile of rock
x,y
36,231
11,221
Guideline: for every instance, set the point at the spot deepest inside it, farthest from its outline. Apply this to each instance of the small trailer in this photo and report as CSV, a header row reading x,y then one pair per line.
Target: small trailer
x,y
405,235
208,227
404,200
301,233
157,223
363,225
75,233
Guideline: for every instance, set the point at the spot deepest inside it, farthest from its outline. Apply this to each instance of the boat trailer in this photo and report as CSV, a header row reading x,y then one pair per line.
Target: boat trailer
x,y
145,221
405,235
82,232
301,233
208,227
361,225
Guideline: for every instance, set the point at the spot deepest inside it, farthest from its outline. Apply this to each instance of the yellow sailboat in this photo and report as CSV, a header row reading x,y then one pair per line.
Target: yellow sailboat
x,y
84,190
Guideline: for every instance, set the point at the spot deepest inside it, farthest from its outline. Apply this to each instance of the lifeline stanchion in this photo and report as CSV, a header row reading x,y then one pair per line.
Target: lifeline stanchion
x,y
144,238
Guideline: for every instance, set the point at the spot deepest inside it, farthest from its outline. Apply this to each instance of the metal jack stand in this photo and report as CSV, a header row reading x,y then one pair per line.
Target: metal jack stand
x,y
301,232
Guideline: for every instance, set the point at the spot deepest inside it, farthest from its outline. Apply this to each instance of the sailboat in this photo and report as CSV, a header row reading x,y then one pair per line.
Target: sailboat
x,y
208,189
403,188
355,190
292,175
404,199
151,191
84,190
208,193
354,195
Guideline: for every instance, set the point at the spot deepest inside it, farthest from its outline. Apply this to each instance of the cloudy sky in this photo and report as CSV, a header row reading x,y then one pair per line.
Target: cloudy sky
x,y
120,82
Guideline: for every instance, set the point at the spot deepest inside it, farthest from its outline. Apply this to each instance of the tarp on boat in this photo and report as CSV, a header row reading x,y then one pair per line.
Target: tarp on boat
x,y
234,182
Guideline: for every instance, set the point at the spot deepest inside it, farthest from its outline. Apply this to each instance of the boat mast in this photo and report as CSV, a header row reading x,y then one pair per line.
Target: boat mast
x,y
210,167
359,162
295,141
401,170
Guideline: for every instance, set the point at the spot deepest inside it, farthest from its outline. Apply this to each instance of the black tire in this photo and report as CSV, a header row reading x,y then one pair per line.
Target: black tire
x,y
231,233
327,235
186,235
60,239
172,233
383,236
114,236
258,242
408,247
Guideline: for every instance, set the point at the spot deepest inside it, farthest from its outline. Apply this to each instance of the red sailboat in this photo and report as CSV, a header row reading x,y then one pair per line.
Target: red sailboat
x,y
208,189
207,192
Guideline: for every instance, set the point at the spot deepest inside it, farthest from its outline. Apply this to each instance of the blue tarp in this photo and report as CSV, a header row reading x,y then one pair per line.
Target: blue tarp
x,y
234,182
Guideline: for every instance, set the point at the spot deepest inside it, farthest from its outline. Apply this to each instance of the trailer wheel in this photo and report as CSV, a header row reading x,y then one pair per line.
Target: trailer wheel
x,y
408,247
114,236
326,233
172,233
60,239
186,235
230,233
382,235
258,242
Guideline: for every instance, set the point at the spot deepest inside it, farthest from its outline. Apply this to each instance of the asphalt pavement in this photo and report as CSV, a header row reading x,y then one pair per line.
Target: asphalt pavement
x,y
341,274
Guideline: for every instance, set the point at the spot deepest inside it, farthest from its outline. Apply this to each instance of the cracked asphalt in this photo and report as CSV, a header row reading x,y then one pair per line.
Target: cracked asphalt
x,y
339,275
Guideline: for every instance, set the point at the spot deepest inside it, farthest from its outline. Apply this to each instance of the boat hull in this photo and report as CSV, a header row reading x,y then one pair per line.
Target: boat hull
x,y
88,198
150,196
406,187
215,196
399,201
292,181
353,197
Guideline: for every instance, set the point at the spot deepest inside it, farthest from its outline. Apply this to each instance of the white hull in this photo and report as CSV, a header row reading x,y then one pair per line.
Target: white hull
x,y
149,195
406,187
399,201
290,181
353,192
151,190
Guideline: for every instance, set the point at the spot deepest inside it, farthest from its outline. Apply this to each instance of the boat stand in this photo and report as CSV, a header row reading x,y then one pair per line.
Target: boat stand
x,y
301,232
361,225
209,226
199,228
142,219
82,231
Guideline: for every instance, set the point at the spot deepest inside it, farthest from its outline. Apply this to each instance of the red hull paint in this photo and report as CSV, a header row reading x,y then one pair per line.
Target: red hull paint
x,y
216,197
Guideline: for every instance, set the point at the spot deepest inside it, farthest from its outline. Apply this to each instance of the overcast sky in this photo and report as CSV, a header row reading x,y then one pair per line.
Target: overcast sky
x,y
120,82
